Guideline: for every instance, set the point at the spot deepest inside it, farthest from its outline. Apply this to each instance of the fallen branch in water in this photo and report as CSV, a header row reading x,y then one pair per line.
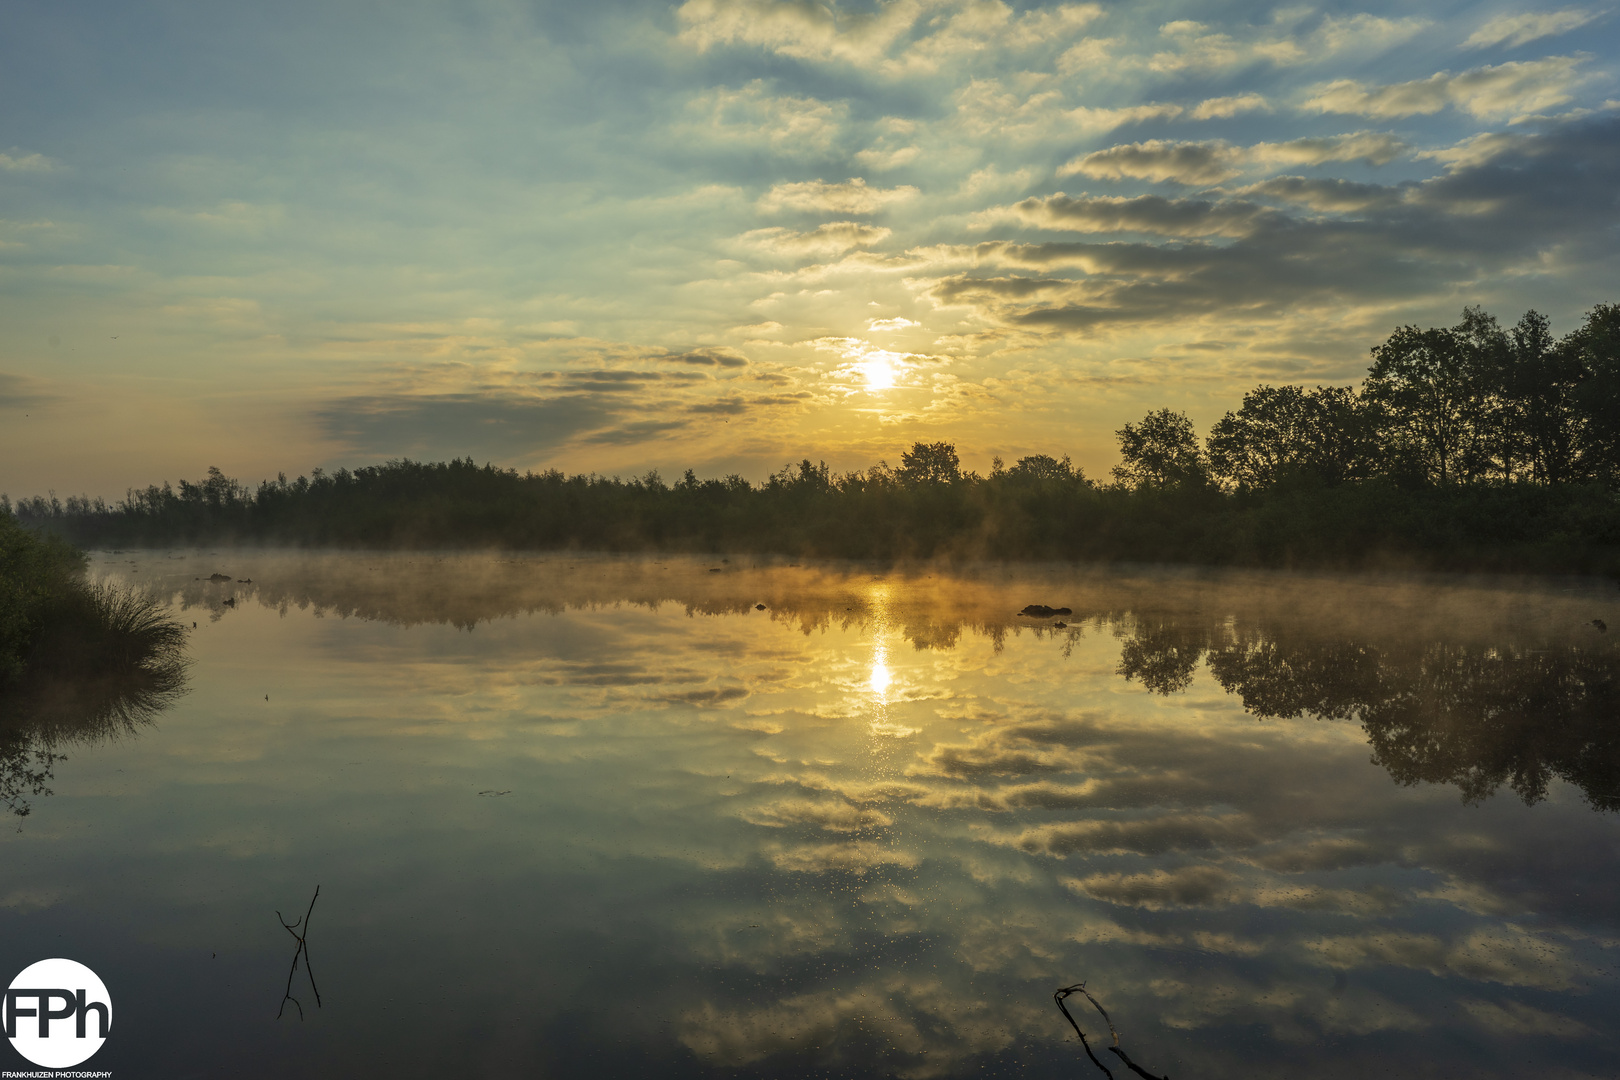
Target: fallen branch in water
x,y
302,950
1116,1049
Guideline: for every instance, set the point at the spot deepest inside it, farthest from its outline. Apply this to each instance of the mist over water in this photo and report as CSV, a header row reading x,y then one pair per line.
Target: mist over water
x,y
690,817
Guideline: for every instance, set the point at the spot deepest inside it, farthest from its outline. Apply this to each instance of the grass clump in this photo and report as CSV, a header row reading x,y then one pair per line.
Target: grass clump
x,y
79,661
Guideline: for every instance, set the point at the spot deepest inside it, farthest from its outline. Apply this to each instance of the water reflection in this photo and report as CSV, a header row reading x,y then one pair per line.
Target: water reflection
x,y
868,829
1476,715
53,709
881,676
1514,697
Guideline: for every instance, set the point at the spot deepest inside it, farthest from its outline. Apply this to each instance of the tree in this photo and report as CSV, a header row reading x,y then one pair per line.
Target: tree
x,y
1595,347
1041,468
1542,421
1161,451
1283,431
1439,389
930,463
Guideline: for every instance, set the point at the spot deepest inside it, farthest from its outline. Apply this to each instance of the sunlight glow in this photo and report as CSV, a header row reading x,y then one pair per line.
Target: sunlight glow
x,y
867,367
881,676
879,370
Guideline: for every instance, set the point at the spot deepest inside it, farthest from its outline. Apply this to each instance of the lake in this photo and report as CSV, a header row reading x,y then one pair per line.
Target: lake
x,y
681,817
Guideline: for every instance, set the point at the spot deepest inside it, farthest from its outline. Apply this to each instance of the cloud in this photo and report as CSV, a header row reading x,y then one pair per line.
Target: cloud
x,y
1200,163
986,107
1515,30
879,158
1504,955
634,433
499,413
803,31
1223,107
1143,836
753,116
1515,1018
972,761
37,163
1478,149
1098,120
859,857
711,698
1372,147
1328,853
1093,120
1414,240
22,391
1088,54
1327,196
1182,162
1144,213
1518,87
818,196
1192,46
894,39
487,426
709,356
1188,886
831,816
833,238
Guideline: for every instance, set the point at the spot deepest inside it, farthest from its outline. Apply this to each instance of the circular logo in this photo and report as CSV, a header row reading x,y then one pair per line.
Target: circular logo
x,y
57,1013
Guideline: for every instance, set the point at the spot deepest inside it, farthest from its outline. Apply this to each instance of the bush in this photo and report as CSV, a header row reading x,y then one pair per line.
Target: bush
x,y
37,572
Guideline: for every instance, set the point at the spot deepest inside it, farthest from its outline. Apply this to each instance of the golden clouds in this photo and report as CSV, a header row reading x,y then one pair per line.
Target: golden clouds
x,y
851,196
1512,89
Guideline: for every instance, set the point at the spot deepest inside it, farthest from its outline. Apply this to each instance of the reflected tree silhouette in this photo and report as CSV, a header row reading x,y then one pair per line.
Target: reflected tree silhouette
x,y
1328,679
1443,697
1482,718
1473,715
1162,656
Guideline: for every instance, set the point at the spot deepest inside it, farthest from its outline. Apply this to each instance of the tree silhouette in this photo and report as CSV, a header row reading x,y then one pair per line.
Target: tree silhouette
x,y
930,463
1161,451
1281,432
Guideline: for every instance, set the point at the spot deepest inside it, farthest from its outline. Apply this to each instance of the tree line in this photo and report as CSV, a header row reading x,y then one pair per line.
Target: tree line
x,y
1473,445
1467,404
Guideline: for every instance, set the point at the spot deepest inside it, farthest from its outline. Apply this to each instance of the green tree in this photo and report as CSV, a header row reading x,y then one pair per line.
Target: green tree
x,y
1541,387
1287,431
1043,469
1595,347
930,463
1439,390
1161,451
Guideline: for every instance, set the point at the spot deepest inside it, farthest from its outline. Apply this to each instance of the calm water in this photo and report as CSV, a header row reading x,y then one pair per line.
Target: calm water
x,y
607,816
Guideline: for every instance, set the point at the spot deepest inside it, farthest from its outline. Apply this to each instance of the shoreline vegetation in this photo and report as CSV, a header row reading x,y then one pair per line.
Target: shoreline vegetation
x,y
1473,447
80,661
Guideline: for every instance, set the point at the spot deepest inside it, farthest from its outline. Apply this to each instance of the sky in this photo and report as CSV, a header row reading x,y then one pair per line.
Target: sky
x,y
729,234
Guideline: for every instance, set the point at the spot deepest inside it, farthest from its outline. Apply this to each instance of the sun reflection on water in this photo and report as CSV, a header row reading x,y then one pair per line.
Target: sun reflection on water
x,y
881,676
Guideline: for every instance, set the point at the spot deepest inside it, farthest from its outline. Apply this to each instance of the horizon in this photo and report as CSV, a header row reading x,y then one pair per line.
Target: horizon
x,y
708,235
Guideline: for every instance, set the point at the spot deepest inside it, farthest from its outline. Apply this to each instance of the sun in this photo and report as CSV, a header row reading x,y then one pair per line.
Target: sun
x,y
880,368
879,373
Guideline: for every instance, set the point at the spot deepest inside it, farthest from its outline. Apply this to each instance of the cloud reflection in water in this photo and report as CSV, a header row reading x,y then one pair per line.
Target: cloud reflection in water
x,y
871,829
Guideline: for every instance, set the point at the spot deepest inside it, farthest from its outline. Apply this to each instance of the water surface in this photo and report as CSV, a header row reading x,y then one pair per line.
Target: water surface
x,y
678,817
